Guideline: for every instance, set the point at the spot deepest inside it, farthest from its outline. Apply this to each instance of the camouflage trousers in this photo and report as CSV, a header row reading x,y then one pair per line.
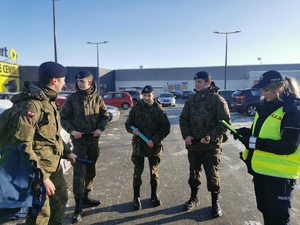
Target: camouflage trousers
x,y
53,212
85,173
139,161
210,160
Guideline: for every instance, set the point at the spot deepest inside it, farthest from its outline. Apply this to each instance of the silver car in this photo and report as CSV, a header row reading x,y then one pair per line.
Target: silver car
x,y
166,99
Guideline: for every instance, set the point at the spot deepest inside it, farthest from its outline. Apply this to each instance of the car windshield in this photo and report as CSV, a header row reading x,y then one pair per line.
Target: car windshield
x,y
166,95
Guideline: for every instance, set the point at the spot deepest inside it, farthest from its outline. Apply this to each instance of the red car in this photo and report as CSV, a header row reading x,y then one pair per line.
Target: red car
x,y
118,99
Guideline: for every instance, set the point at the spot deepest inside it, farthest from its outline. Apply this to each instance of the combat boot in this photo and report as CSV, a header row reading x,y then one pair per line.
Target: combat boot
x,y
78,211
88,202
215,205
137,205
193,201
154,197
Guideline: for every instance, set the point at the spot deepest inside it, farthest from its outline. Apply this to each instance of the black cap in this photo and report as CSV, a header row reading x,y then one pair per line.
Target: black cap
x,y
268,77
82,74
202,75
147,89
52,69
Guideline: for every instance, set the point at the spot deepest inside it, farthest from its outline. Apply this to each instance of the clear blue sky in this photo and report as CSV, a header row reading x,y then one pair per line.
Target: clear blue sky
x,y
152,33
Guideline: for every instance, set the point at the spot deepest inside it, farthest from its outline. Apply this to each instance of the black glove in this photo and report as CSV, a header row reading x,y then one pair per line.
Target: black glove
x,y
249,142
244,132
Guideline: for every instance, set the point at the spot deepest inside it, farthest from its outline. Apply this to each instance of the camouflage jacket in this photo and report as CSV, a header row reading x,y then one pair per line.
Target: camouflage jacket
x,y
201,113
35,122
84,111
152,122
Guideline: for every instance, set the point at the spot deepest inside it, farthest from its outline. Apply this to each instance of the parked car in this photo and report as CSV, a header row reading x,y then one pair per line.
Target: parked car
x,y
177,94
118,99
166,98
136,96
244,100
227,95
7,95
187,94
113,111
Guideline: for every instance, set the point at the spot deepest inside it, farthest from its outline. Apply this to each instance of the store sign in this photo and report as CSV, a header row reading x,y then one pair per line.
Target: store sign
x,y
12,54
9,69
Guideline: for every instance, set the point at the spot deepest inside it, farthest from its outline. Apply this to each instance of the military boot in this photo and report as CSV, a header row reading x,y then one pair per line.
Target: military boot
x,y
193,201
88,202
154,197
137,205
215,205
78,211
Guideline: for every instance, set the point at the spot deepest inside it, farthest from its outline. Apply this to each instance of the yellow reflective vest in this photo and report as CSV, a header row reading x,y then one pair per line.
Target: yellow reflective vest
x,y
266,163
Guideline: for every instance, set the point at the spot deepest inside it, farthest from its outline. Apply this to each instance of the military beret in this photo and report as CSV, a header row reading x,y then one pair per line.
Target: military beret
x,y
52,69
82,74
147,89
202,75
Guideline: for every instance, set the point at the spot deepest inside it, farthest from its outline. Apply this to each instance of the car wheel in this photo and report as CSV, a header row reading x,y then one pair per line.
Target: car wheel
x,y
110,116
125,106
251,110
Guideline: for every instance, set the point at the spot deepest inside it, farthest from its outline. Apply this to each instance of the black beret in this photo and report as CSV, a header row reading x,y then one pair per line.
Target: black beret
x,y
202,75
82,74
147,89
52,69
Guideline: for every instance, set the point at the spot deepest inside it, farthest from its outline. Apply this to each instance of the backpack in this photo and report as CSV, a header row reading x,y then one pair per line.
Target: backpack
x,y
22,190
6,119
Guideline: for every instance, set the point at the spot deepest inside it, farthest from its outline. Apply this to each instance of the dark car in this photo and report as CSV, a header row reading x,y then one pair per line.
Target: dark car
x,y
136,96
227,95
177,94
244,100
187,94
7,95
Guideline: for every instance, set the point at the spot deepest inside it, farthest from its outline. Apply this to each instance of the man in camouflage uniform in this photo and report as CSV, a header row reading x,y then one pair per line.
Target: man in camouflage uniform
x,y
84,116
149,118
36,123
203,136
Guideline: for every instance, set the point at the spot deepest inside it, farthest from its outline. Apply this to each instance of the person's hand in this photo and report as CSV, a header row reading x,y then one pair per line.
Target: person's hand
x,y
72,157
205,140
188,140
244,132
76,134
150,144
136,132
50,188
249,142
97,133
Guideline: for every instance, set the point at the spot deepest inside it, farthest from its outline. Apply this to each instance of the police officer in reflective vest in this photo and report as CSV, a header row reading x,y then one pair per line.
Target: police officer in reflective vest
x,y
272,146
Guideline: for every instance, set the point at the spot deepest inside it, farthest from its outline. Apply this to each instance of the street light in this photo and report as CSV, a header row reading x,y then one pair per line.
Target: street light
x,y
98,78
54,31
216,32
260,60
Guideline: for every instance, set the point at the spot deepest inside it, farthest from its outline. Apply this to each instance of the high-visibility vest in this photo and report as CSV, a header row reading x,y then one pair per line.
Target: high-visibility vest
x,y
284,166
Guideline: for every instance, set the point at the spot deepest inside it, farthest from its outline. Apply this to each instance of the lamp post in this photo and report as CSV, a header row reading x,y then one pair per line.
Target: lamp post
x,y
98,78
260,60
54,31
234,32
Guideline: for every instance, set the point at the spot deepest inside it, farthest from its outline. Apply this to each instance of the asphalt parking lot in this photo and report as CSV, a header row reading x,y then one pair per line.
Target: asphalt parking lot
x,y
113,184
